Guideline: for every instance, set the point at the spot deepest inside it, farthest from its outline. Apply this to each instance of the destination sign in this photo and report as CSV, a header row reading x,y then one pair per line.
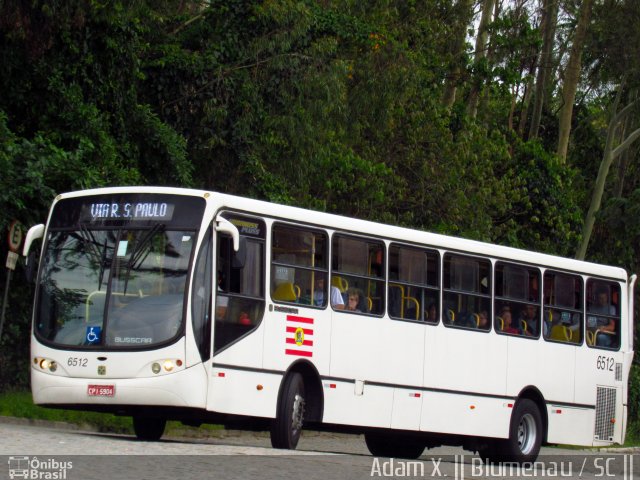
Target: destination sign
x,y
128,211
142,210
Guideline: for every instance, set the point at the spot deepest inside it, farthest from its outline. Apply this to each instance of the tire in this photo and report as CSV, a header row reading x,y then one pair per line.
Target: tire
x,y
393,445
490,451
287,426
147,428
525,436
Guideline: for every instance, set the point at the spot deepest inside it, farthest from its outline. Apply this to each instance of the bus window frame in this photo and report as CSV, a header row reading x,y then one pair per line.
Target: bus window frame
x,y
437,289
383,279
325,270
488,296
582,303
503,299
617,318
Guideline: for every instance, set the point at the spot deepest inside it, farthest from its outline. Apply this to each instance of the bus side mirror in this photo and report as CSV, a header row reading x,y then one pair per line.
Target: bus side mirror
x,y
31,267
34,233
224,225
240,256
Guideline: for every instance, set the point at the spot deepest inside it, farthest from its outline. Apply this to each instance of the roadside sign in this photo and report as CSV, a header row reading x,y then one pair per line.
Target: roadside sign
x,y
15,236
12,259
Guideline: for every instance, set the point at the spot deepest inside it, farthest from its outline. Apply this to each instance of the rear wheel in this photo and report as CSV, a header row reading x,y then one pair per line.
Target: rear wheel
x,y
147,428
525,436
287,426
393,445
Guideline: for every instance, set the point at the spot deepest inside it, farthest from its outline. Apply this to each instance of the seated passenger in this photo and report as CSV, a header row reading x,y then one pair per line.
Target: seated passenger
x,y
507,320
601,324
354,298
222,302
336,297
530,316
483,322
432,314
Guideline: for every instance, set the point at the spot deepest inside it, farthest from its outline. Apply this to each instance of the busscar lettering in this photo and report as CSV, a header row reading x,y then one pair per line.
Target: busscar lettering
x,y
132,340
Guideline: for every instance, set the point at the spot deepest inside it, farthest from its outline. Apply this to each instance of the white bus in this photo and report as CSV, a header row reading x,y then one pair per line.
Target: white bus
x,y
164,303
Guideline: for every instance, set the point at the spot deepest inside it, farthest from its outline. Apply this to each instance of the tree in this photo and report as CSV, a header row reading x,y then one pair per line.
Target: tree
x,y
611,153
462,15
480,57
545,59
571,79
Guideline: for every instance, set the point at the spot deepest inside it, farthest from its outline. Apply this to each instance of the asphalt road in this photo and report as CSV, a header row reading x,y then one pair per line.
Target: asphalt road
x,y
49,451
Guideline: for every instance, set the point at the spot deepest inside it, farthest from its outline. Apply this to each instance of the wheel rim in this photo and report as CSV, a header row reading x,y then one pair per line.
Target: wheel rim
x,y
297,417
527,433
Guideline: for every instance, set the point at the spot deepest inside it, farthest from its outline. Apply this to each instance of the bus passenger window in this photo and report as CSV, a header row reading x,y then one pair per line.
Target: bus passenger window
x,y
467,292
299,266
517,300
413,284
563,313
358,269
603,314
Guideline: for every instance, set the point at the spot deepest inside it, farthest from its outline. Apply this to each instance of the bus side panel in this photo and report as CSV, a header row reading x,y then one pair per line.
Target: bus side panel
x,y
241,392
596,370
558,361
361,352
245,352
285,344
225,383
363,348
525,366
573,426
474,364
407,408
470,361
355,403
465,415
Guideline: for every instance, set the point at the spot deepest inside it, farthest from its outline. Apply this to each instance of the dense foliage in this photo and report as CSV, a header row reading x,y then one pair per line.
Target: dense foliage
x,y
359,108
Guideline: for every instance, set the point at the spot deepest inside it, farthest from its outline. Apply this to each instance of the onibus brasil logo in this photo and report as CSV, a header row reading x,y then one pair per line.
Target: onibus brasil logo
x,y
36,469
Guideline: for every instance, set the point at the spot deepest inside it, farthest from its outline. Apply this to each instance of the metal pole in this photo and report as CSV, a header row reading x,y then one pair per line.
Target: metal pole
x,y
5,300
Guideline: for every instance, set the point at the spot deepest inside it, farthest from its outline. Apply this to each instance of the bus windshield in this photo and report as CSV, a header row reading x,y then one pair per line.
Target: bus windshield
x,y
113,287
113,284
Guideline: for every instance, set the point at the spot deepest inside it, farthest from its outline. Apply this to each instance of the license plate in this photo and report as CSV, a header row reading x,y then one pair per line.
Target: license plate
x,y
101,390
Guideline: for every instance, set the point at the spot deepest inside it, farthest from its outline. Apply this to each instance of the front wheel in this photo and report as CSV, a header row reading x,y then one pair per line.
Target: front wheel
x,y
147,428
287,426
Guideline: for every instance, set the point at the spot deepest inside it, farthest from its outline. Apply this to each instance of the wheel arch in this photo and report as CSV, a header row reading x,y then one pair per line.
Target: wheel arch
x,y
314,395
532,393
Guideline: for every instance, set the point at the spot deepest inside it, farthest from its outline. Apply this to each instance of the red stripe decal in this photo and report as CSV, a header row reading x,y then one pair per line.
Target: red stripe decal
x,y
308,343
294,318
307,331
299,353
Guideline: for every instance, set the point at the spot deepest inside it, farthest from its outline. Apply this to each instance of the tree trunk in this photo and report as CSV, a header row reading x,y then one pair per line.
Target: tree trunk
x,y
481,54
526,100
463,15
609,155
491,54
545,64
571,78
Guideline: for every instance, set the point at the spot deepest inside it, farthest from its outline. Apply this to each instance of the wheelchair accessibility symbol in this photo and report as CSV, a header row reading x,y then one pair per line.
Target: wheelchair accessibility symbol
x,y
93,335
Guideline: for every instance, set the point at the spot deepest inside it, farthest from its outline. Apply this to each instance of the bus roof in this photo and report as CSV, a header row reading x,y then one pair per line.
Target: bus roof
x,y
368,228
